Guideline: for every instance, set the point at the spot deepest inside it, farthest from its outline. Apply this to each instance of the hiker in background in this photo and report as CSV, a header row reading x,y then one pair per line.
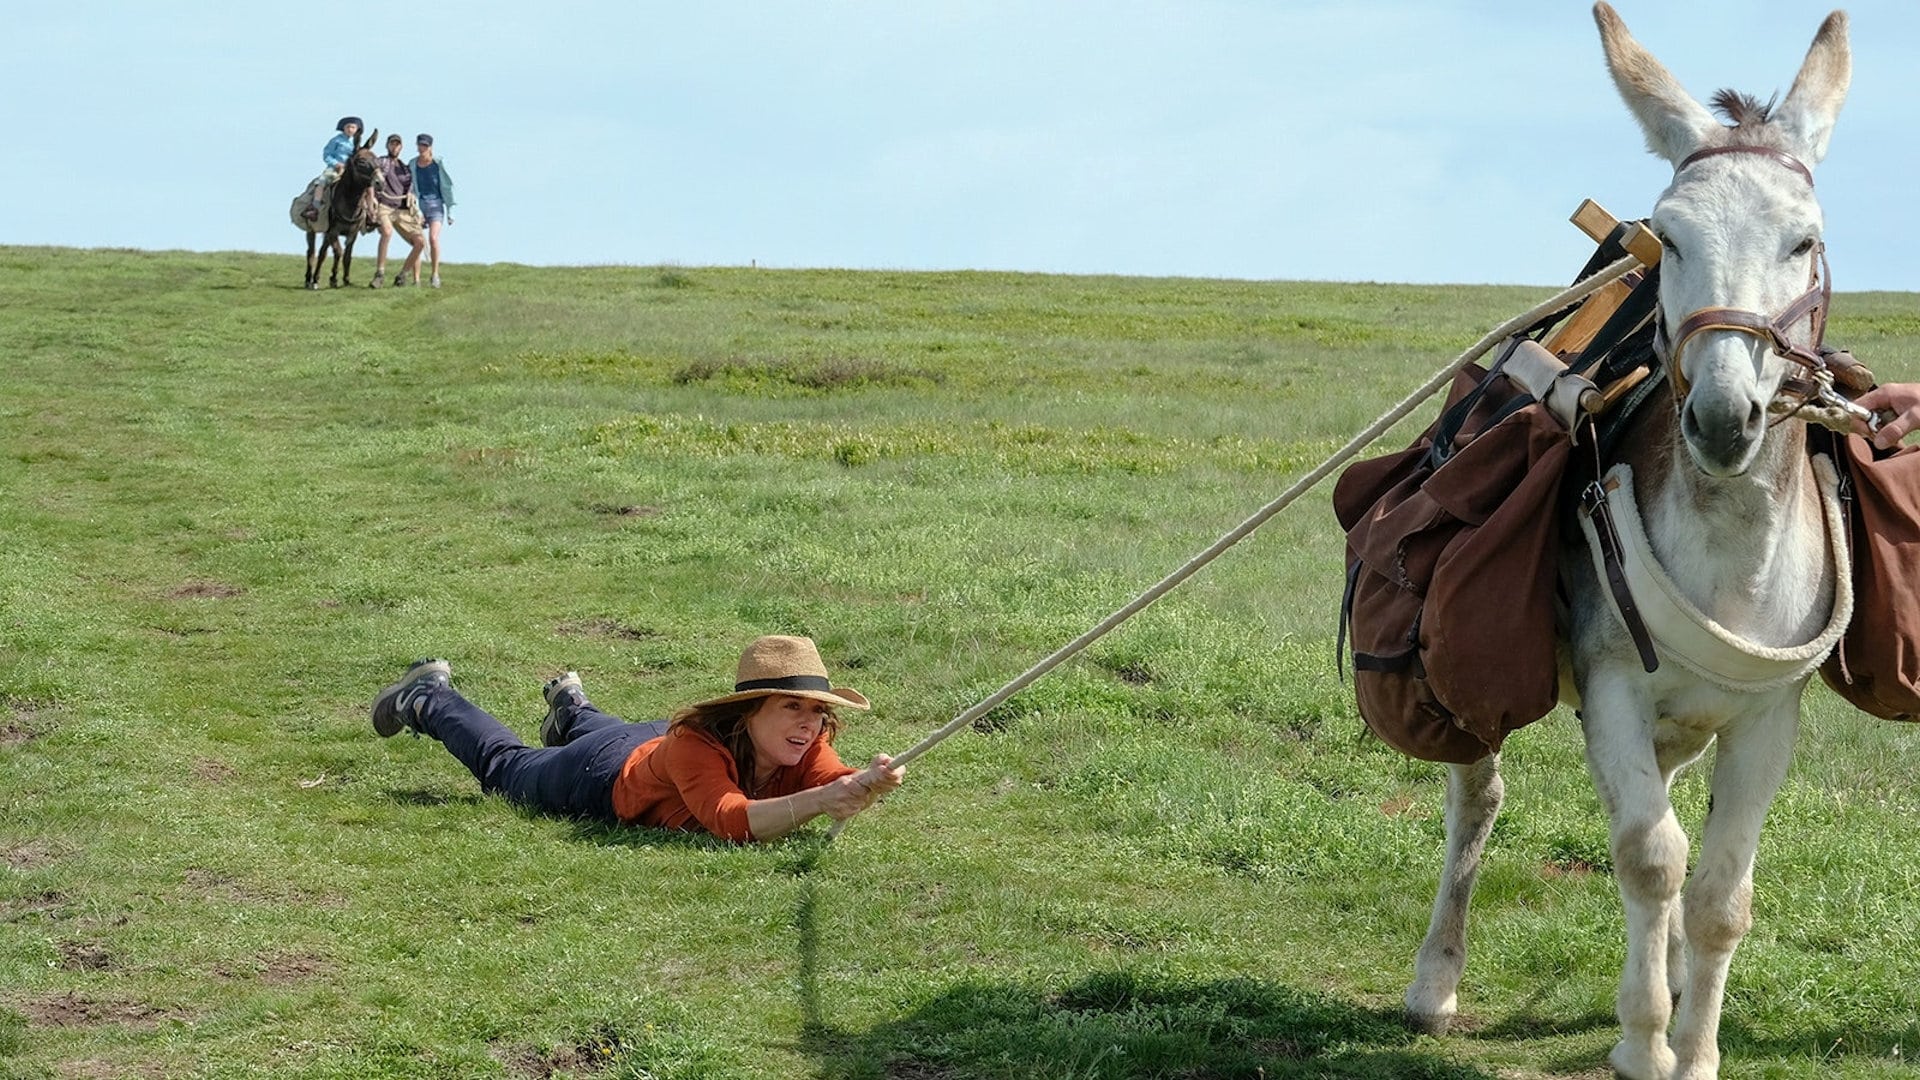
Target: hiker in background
x,y
754,764
1900,399
396,211
433,186
333,158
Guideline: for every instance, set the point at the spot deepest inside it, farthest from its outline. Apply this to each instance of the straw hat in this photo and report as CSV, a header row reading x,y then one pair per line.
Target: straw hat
x,y
777,664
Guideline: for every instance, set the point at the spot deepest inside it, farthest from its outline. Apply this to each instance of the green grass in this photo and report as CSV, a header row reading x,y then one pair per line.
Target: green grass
x,y
234,509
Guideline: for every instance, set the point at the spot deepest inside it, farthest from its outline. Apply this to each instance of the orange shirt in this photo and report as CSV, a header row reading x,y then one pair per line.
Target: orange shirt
x,y
687,779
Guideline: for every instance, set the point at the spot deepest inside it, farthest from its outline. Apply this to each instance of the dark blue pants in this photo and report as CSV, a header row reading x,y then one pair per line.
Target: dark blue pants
x,y
574,780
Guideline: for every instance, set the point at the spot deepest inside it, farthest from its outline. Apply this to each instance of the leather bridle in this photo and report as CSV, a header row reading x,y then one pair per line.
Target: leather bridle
x,y
1812,304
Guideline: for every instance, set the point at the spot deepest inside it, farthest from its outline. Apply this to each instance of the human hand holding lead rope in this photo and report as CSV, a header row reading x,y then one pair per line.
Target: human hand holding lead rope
x,y
854,792
1898,405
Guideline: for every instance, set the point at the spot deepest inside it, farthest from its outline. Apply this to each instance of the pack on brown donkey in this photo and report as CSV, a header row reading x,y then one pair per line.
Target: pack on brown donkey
x,y
346,212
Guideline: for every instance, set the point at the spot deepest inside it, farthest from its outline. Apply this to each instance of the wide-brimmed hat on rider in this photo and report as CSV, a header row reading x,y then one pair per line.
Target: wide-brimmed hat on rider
x,y
345,120
779,664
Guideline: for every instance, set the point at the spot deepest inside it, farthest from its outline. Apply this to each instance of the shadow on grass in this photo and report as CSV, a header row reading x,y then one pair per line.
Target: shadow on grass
x,y
1529,1022
433,797
607,834
1825,1044
1111,1025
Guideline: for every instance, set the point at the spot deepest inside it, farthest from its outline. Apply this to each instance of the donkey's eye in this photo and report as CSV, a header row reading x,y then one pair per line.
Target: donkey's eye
x,y
1667,245
1805,246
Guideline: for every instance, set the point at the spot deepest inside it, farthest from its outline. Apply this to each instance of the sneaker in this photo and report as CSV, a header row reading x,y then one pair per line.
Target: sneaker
x,y
379,279
310,214
400,279
398,705
561,693
436,281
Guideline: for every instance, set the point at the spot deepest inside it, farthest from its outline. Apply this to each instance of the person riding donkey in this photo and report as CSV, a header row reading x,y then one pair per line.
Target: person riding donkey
x,y
333,158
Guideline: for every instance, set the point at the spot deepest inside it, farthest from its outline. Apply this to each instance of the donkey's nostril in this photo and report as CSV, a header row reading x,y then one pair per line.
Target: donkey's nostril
x,y
1754,416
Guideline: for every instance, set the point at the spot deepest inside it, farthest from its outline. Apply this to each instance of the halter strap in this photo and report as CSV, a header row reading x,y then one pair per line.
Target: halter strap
x,y
1780,156
1811,305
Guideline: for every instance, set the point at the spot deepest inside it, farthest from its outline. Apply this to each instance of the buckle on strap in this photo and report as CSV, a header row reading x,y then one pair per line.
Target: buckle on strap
x,y
1593,497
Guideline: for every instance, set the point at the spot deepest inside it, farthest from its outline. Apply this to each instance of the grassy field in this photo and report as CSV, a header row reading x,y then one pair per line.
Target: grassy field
x,y
234,509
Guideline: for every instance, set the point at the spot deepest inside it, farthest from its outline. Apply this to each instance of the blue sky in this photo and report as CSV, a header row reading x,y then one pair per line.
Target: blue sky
x,y
1432,141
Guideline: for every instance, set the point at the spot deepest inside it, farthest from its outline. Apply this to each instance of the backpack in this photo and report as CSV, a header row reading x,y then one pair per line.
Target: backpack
x,y
1876,666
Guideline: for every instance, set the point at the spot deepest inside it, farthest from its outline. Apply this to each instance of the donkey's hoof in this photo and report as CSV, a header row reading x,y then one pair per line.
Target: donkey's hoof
x,y
1638,1063
1430,1010
1428,1023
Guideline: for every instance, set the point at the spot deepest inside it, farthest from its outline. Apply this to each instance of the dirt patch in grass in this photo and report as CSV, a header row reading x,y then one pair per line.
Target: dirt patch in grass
x,y
86,956
278,969
204,590
213,771
29,855
525,1062
47,904
631,510
70,1010
604,628
24,720
287,969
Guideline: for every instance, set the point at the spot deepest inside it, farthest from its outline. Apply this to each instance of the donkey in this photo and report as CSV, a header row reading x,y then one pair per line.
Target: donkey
x,y
1740,519
344,216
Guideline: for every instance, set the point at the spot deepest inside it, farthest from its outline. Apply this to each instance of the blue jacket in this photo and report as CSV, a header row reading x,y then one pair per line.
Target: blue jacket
x,y
446,180
339,149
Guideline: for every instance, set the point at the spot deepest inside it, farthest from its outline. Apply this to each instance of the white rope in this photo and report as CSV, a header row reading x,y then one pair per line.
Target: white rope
x,y
1442,378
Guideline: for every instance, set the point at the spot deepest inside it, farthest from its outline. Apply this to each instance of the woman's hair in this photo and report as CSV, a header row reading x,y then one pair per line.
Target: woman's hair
x,y
727,722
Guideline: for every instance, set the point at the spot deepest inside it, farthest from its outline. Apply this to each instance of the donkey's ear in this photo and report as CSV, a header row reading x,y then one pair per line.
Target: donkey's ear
x,y
1675,124
374,134
1818,91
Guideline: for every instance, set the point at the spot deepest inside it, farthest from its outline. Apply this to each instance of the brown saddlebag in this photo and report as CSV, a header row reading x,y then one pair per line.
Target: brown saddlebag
x,y
1876,666
1452,553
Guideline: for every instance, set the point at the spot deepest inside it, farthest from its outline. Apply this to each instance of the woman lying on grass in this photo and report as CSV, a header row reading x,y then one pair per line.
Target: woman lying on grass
x,y
755,764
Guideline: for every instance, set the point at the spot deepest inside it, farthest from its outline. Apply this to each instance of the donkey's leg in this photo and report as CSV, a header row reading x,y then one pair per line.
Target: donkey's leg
x,y
333,275
1650,863
1674,749
346,272
313,269
1752,760
1473,801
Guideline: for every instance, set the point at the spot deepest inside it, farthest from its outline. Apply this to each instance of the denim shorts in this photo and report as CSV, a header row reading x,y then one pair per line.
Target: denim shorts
x,y
432,209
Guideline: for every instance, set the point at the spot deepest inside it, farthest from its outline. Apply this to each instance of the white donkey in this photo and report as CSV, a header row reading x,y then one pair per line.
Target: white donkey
x,y
1745,585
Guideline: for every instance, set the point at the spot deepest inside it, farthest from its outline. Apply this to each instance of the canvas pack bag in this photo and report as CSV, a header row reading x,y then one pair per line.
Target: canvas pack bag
x,y
1452,552
1876,666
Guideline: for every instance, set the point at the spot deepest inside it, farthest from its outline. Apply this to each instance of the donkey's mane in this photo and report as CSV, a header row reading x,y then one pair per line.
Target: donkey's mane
x,y
1743,112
